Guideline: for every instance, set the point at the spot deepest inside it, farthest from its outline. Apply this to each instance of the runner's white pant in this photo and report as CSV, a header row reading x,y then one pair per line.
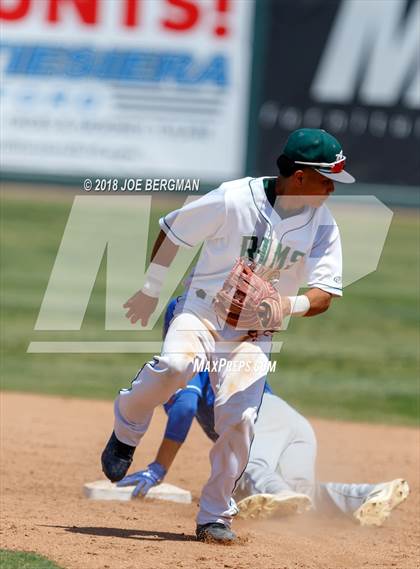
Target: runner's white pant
x,y
238,370
283,456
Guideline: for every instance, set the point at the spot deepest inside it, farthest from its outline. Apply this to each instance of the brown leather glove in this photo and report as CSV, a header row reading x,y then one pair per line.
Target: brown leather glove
x,y
248,299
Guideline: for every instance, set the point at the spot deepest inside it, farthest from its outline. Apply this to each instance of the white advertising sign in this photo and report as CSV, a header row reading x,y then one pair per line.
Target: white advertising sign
x,y
125,87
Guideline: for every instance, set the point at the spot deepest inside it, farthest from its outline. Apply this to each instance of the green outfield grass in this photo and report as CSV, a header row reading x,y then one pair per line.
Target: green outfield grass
x,y
358,361
22,560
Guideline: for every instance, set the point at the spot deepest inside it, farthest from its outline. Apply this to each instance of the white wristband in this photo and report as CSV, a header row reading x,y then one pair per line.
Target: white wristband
x,y
155,278
299,305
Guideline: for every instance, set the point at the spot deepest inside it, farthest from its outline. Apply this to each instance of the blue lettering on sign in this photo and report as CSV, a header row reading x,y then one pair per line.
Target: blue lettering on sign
x,y
117,65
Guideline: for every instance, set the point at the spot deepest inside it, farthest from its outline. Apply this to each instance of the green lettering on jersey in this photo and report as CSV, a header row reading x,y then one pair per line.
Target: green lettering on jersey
x,y
249,246
296,256
264,249
280,256
250,249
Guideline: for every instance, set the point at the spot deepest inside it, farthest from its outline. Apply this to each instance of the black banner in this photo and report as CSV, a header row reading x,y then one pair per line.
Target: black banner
x,y
352,68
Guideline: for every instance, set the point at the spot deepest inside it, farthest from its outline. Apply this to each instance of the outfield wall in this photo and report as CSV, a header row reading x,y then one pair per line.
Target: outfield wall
x,y
208,89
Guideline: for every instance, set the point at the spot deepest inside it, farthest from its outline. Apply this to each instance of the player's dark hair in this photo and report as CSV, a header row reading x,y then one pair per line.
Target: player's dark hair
x,y
287,167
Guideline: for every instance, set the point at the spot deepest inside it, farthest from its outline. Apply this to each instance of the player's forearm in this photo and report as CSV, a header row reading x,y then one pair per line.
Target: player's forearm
x,y
313,302
163,254
319,300
167,452
164,251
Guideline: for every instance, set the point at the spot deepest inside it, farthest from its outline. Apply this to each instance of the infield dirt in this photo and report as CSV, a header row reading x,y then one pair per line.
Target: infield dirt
x,y
51,446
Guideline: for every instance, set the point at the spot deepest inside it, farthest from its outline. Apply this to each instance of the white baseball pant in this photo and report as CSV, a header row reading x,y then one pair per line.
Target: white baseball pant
x,y
238,370
283,457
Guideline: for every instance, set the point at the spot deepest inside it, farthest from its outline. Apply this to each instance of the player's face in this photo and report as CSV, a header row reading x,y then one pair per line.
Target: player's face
x,y
313,187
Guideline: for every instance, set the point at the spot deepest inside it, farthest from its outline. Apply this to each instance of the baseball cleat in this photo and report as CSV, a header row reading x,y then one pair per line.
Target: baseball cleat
x,y
215,532
381,501
116,459
266,505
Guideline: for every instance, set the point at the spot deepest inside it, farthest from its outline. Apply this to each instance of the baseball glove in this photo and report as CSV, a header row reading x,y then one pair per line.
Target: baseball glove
x,y
248,299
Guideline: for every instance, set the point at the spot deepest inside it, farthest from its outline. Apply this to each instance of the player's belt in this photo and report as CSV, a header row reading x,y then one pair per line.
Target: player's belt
x,y
201,293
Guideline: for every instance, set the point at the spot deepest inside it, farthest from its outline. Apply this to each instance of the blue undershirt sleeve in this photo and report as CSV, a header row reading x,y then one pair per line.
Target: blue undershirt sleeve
x,y
181,414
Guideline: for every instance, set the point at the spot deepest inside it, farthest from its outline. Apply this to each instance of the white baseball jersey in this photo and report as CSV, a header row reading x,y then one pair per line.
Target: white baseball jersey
x,y
234,220
237,220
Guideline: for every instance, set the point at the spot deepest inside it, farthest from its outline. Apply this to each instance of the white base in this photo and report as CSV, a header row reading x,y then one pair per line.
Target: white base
x,y
106,490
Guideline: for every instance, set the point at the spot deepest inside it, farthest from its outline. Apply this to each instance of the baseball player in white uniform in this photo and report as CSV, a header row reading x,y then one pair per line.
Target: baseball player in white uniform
x,y
280,474
282,225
